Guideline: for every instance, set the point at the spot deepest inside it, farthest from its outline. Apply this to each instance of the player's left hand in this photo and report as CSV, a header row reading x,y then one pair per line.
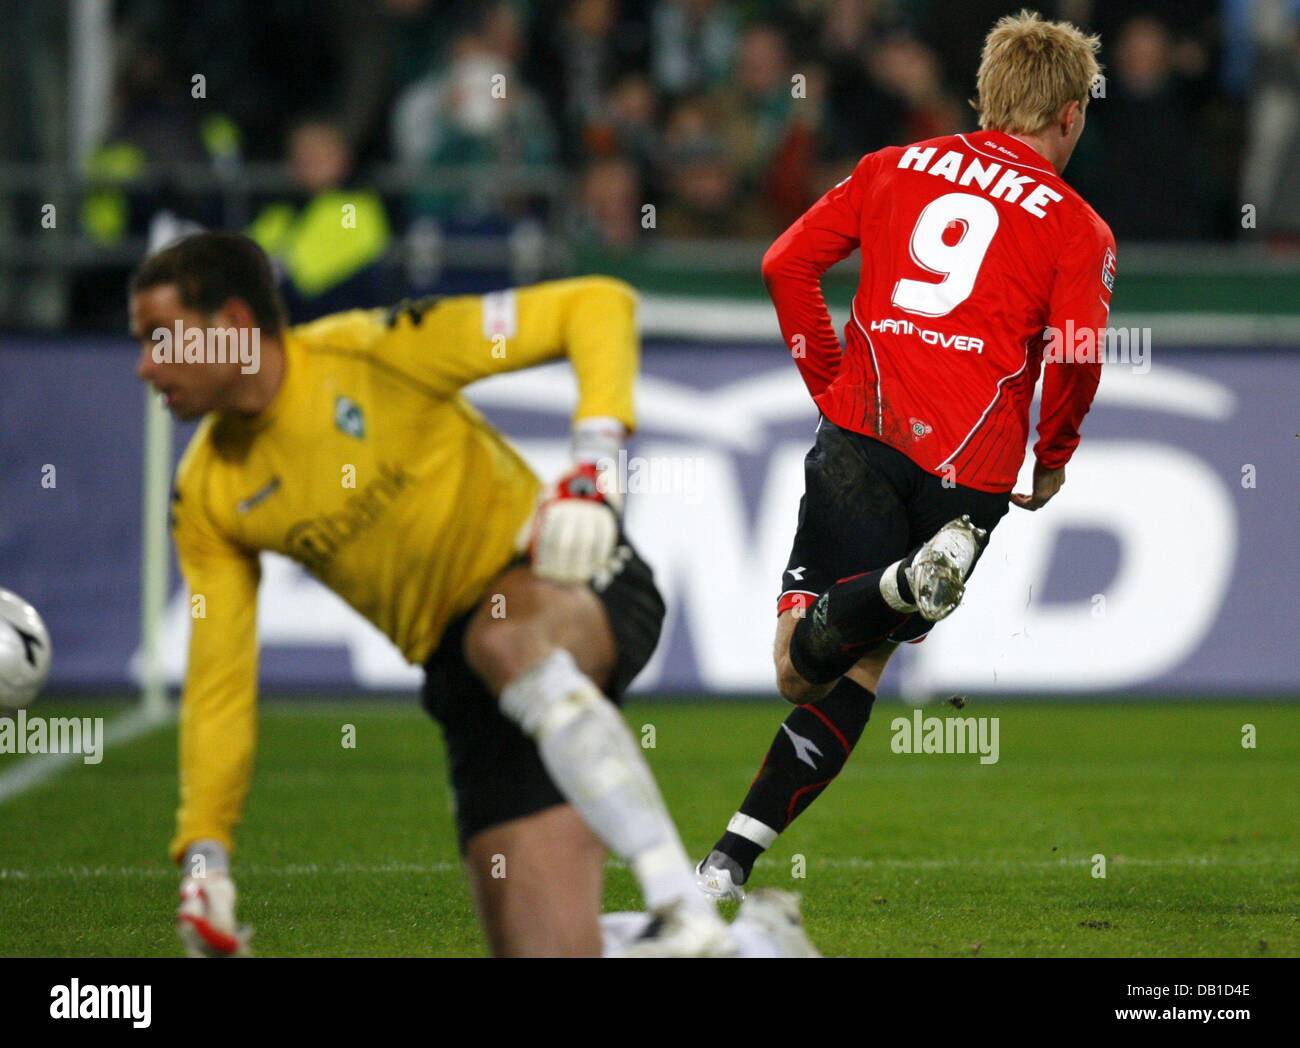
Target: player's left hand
x,y
575,530
1047,482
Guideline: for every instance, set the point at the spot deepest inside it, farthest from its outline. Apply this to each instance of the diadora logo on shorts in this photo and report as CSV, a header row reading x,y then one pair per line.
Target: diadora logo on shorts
x,y
920,429
349,418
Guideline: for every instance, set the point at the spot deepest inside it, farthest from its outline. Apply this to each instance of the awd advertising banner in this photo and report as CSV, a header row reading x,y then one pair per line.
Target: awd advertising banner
x,y
1167,565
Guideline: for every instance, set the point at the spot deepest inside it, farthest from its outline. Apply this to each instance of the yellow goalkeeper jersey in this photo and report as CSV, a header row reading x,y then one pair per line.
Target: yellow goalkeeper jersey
x,y
371,470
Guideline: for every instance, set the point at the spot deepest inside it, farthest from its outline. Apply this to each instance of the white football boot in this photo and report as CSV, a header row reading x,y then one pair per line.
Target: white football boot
x,y
205,918
939,570
774,914
678,932
715,880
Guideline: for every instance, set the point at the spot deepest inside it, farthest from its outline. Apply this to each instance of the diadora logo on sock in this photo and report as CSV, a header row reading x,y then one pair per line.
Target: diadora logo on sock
x,y
802,747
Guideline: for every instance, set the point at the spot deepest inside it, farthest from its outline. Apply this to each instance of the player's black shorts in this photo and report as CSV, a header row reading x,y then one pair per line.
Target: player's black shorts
x,y
866,505
496,773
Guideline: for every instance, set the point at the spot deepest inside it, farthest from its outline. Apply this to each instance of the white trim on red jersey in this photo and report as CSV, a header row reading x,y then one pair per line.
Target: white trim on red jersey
x,y
1004,160
984,414
880,409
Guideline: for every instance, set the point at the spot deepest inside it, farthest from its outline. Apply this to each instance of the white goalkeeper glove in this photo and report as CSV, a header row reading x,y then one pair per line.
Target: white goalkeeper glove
x,y
205,918
575,528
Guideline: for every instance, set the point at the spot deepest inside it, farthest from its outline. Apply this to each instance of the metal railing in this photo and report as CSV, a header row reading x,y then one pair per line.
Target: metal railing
x,y
536,241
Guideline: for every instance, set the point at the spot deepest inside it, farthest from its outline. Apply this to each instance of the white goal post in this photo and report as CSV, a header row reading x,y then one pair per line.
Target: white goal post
x,y
155,553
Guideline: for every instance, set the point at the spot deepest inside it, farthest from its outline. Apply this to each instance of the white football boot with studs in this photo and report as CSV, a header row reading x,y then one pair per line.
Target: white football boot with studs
x,y
940,568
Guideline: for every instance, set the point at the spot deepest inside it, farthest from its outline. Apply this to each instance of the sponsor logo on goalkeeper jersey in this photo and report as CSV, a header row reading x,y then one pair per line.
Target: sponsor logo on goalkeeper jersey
x,y
316,541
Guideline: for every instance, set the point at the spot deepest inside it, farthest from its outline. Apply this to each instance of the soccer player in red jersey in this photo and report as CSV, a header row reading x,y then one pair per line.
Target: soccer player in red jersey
x,y
978,262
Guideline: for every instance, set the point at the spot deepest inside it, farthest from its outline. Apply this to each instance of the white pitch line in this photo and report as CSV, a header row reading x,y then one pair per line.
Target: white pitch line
x,y
41,767
844,863
242,869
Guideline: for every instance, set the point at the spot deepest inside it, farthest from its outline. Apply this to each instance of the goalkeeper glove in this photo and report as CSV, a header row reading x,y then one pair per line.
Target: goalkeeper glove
x,y
575,529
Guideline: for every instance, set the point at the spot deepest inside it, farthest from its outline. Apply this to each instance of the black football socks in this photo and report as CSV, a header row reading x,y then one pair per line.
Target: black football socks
x,y
809,750
850,619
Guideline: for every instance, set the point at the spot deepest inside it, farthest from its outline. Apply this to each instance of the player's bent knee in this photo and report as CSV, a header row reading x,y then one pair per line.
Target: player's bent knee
x,y
871,667
793,688
500,650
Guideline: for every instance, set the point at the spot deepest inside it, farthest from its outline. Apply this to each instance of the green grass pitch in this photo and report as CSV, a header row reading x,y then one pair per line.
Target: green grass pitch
x,y
351,852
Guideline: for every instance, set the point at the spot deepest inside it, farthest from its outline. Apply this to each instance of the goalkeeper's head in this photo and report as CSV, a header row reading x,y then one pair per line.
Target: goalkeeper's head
x,y
207,315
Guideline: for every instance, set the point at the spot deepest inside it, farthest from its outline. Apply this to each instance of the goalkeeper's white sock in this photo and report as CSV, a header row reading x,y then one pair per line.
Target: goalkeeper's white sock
x,y
595,762
204,857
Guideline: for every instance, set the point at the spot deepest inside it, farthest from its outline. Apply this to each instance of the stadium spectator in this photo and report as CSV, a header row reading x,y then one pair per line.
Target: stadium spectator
x,y
267,65
702,180
581,48
139,171
1145,125
328,242
771,115
757,104
476,112
628,123
1199,115
908,71
609,212
1271,173
861,115
694,44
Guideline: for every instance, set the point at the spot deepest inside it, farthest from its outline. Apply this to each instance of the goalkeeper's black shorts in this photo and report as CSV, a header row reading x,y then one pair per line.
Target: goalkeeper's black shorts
x,y
496,772
865,506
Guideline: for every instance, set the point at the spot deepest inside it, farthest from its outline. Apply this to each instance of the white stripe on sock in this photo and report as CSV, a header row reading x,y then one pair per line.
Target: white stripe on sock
x,y
752,830
889,590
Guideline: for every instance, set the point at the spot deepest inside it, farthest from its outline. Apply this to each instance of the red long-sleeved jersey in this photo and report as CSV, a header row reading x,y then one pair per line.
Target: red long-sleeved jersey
x,y
973,250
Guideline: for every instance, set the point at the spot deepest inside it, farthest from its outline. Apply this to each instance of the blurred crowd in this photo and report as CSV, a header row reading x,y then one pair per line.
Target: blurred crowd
x,y
725,118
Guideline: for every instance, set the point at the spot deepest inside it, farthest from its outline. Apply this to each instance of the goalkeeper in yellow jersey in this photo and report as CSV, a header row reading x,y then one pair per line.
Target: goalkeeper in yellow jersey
x,y
346,445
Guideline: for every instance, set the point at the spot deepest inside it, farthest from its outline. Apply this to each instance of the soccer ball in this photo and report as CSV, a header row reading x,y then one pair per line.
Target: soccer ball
x,y
24,652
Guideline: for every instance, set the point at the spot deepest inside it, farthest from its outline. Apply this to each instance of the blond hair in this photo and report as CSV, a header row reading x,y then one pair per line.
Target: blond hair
x,y
1030,69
